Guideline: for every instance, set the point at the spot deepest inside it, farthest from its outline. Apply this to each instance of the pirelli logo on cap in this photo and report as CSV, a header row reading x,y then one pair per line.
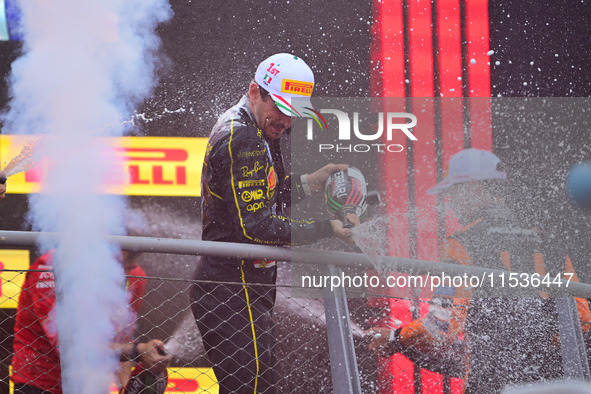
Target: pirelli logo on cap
x,y
297,87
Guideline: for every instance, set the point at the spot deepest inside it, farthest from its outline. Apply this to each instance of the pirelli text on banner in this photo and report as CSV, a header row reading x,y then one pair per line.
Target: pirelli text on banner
x,y
155,166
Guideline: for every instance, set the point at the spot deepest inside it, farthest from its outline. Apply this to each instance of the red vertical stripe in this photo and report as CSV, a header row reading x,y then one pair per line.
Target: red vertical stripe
x,y
421,66
421,47
449,56
477,33
392,58
400,374
450,77
392,44
424,155
478,46
395,374
451,108
449,53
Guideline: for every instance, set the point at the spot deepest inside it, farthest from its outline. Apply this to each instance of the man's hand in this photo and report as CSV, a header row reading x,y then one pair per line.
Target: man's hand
x,y
379,341
2,184
378,337
153,355
317,179
345,233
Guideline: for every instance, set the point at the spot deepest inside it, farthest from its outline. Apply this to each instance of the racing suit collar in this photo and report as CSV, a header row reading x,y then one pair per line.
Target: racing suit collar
x,y
244,103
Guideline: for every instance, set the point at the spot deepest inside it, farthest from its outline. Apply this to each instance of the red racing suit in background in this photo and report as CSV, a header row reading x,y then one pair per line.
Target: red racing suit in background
x,y
36,360
505,340
136,287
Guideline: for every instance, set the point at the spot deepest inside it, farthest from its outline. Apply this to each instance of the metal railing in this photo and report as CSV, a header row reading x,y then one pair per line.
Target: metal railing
x,y
347,354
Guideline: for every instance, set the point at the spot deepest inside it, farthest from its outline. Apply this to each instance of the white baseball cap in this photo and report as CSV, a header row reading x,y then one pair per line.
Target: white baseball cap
x,y
287,77
469,165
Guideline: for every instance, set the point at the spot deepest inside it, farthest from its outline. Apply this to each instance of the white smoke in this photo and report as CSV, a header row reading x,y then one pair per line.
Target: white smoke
x,y
85,65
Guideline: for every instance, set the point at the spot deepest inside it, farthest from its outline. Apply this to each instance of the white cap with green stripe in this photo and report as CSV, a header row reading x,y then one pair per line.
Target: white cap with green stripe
x,y
287,77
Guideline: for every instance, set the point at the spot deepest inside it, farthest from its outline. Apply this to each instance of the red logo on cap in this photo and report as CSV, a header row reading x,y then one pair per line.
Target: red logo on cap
x,y
272,70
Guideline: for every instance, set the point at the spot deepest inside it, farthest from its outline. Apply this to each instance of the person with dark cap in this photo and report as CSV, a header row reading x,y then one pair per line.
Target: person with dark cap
x,y
2,184
36,357
245,194
492,341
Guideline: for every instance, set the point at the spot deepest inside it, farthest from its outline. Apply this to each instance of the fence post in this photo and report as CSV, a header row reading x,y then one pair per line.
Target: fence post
x,y
572,346
343,363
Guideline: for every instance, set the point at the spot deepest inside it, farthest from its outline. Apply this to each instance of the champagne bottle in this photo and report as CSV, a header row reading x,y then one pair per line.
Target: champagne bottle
x,y
144,381
346,192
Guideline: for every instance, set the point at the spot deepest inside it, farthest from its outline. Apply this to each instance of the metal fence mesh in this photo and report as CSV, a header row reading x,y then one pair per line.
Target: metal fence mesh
x,y
301,349
302,363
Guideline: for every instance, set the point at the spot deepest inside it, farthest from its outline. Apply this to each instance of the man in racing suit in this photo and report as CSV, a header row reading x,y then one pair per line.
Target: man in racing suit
x,y
245,192
507,340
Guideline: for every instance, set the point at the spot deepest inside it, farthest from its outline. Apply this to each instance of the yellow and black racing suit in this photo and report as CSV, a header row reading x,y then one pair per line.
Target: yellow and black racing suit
x,y
245,193
504,340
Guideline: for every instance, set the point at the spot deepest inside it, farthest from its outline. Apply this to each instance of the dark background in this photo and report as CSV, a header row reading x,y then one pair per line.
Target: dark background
x,y
212,48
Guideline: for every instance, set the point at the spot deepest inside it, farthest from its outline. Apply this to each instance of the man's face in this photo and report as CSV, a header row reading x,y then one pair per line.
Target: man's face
x,y
267,116
467,200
